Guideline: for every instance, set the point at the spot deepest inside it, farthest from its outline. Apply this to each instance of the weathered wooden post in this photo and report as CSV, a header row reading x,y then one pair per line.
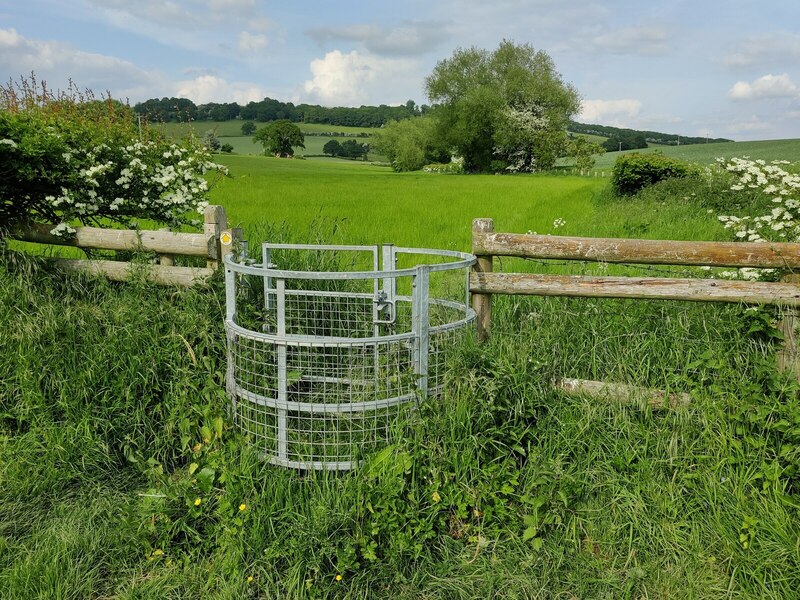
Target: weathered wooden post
x,y
788,355
216,221
482,303
168,260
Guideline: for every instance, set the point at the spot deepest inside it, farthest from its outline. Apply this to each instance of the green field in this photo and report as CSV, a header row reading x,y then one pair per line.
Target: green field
x,y
700,153
426,209
234,128
121,475
707,153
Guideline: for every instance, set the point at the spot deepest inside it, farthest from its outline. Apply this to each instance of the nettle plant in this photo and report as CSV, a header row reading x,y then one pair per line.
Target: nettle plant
x,y
68,158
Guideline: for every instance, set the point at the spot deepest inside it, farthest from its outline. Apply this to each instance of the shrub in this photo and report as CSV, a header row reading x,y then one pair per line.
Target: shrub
x,y
226,148
780,217
633,172
68,157
455,167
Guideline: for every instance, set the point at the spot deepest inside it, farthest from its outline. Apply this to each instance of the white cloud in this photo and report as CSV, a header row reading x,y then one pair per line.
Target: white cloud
x,y
609,112
352,78
56,62
768,86
639,41
242,6
768,49
751,125
412,38
208,88
252,42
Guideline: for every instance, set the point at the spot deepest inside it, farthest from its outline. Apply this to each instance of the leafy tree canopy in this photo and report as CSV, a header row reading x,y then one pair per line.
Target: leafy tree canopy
x,y
503,109
411,144
280,138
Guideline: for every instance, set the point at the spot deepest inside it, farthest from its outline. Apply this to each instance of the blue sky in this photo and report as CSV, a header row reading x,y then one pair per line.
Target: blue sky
x,y
727,69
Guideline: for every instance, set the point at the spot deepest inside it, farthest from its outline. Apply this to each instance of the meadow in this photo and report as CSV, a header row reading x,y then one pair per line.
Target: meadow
x,y
230,132
112,406
233,128
707,153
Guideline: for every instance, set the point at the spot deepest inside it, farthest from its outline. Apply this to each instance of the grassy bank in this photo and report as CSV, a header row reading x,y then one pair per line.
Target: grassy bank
x,y
113,425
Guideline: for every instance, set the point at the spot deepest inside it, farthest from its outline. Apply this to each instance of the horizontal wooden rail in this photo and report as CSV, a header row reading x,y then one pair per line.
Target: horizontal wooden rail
x,y
623,392
618,250
653,288
122,271
162,242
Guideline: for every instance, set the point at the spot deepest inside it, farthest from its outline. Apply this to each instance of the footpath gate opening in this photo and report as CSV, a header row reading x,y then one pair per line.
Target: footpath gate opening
x,y
323,359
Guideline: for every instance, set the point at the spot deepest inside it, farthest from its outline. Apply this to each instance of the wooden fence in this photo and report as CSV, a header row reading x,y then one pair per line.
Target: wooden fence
x,y
213,244
484,283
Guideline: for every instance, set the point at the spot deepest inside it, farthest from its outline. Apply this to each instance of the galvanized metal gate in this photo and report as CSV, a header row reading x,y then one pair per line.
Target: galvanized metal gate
x,y
328,345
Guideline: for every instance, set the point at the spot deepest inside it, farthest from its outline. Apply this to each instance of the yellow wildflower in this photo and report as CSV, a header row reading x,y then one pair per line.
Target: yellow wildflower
x,y
197,502
436,497
242,506
249,579
338,578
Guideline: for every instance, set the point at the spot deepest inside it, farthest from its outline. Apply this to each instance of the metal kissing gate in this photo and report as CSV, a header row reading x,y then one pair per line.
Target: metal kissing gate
x,y
329,345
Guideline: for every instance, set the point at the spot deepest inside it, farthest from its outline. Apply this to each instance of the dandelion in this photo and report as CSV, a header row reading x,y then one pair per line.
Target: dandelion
x,y
198,502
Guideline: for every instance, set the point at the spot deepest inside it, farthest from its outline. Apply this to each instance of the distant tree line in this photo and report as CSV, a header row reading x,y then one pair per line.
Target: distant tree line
x,y
637,136
349,149
267,110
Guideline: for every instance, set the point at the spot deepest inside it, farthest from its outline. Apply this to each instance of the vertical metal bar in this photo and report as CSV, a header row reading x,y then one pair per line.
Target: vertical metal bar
x,y
389,283
269,296
230,314
376,327
420,325
283,445
466,292
375,289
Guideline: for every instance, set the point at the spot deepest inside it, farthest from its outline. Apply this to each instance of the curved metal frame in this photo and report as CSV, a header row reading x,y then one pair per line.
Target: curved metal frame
x,y
385,303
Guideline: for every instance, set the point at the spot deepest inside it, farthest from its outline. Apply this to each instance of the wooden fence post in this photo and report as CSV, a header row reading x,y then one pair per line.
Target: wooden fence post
x,y
168,260
229,239
216,221
788,355
482,303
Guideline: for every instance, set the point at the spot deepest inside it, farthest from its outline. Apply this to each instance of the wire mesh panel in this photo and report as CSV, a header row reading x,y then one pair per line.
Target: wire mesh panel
x,y
329,345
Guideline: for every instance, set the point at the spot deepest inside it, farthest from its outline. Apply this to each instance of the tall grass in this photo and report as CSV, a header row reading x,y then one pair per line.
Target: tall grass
x,y
113,424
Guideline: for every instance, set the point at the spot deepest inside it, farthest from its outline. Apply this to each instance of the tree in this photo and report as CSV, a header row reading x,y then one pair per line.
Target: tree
x,y
332,148
248,128
280,138
625,140
410,144
500,109
211,141
584,151
353,149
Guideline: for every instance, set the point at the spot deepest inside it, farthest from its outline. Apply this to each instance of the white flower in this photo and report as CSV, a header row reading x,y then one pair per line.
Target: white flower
x,y
62,230
8,142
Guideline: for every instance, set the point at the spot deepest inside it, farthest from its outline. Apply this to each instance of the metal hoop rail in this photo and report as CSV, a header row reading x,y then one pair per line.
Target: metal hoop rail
x,y
328,349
